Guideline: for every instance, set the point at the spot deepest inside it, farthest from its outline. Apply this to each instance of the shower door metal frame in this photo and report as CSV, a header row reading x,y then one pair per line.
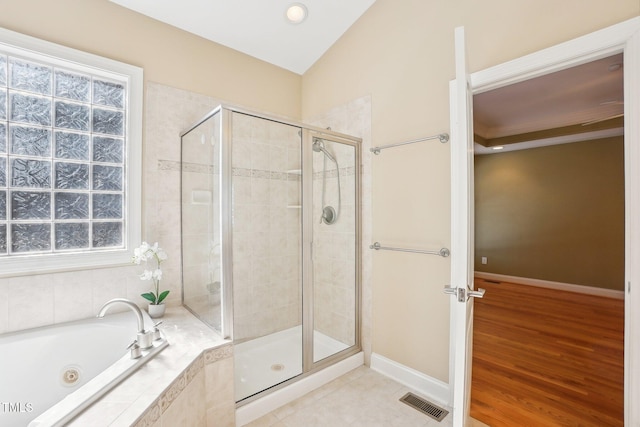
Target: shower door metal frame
x,y
224,190
308,327
308,133
307,250
226,219
224,227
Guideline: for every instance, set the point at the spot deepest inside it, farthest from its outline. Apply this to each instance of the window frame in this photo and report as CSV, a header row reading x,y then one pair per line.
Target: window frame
x,y
30,48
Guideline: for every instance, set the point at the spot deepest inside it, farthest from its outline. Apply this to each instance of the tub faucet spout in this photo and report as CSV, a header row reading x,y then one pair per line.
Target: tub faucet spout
x,y
143,337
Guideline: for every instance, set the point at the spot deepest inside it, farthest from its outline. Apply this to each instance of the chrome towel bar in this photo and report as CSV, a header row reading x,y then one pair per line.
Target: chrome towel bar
x,y
444,252
443,137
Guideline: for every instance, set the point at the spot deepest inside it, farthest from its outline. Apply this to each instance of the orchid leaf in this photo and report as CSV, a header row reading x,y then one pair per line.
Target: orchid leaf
x,y
149,296
162,296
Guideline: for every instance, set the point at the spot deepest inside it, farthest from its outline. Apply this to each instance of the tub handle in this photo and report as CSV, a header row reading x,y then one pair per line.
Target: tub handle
x,y
136,352
156,332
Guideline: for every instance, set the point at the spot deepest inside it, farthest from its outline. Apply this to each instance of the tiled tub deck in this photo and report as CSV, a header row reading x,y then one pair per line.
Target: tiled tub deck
x,y
190,383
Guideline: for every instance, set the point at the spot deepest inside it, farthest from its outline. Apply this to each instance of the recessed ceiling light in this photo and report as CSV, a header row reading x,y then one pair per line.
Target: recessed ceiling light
x,y
296,13
497,147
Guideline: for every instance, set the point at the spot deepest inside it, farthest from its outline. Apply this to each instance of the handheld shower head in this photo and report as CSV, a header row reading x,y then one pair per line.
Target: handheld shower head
x,y
329,214
318,147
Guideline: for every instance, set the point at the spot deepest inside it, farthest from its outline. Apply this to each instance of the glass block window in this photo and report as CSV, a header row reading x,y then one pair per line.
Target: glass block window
x,y
62,155
65,153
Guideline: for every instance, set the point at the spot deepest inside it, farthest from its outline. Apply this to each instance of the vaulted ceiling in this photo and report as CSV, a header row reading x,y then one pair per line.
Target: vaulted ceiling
x,y
259,28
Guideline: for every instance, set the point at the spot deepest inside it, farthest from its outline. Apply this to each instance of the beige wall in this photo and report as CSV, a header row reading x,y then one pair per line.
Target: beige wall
x,y
553,213
168,55
401,54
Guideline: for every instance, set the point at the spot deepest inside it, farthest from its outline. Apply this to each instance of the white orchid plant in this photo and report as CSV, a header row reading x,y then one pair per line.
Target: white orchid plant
x,y
147,253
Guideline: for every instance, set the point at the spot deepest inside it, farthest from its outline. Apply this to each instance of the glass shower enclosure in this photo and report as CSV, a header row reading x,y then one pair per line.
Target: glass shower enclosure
x,y
270,228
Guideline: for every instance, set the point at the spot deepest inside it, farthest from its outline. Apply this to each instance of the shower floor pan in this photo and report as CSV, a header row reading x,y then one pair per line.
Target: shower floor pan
x,y
266,361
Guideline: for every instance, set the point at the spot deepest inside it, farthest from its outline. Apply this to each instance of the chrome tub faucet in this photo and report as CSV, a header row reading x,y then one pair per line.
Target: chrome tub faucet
x,y
144,338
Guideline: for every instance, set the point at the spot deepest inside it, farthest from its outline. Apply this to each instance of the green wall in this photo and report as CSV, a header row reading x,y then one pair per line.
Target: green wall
x,y
553,213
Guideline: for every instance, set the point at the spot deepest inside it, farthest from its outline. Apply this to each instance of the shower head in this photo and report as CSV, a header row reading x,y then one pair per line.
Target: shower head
x,y
318,146
329,214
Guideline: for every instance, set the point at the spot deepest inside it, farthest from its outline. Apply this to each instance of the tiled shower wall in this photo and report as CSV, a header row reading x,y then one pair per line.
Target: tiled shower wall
x,y
266,226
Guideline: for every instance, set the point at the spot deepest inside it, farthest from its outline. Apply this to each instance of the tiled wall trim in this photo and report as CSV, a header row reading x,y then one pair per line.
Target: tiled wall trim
x,y
331,172
214,354
169,165
164,401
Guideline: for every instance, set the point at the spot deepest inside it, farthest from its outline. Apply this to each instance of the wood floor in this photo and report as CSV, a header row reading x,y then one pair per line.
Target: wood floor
x,y
547,358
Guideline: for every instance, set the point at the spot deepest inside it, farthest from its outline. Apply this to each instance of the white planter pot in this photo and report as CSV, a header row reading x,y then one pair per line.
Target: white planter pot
x,y
156,310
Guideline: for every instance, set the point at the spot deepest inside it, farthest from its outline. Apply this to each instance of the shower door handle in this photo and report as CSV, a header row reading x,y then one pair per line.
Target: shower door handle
x,y
463,294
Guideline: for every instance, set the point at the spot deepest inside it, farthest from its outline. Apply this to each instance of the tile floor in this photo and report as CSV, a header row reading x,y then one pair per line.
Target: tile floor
x,y
361,398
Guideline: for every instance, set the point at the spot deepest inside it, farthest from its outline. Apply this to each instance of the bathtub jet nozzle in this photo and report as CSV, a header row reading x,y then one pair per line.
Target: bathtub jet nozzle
x,y
144,338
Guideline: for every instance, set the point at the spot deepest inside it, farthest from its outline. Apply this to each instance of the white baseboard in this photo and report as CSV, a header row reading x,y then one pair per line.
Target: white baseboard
x,y
429,387
254,410
569,287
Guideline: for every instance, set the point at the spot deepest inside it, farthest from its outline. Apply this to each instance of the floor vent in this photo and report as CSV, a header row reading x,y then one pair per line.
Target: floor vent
x,y
424,406
492,281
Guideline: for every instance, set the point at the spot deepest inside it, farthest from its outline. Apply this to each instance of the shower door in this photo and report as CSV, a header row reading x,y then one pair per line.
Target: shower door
x,y
267,252
335,260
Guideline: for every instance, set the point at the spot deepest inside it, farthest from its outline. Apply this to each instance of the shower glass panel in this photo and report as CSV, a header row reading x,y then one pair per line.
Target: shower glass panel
x,y
201,225
334,247
267,252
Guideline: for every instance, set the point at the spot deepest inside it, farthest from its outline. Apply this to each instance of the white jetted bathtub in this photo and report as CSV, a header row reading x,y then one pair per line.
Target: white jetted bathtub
x,y
69,365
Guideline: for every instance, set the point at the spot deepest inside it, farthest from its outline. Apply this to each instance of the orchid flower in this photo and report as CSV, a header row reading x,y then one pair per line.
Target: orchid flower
x,y
147,253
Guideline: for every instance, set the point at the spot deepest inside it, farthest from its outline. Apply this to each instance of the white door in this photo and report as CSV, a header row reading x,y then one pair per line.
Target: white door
x,y
623,37
461,235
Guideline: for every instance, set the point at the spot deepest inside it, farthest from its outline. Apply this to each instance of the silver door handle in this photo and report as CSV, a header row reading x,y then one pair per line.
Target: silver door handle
x,y
478,293
458,292
450,290
463,294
